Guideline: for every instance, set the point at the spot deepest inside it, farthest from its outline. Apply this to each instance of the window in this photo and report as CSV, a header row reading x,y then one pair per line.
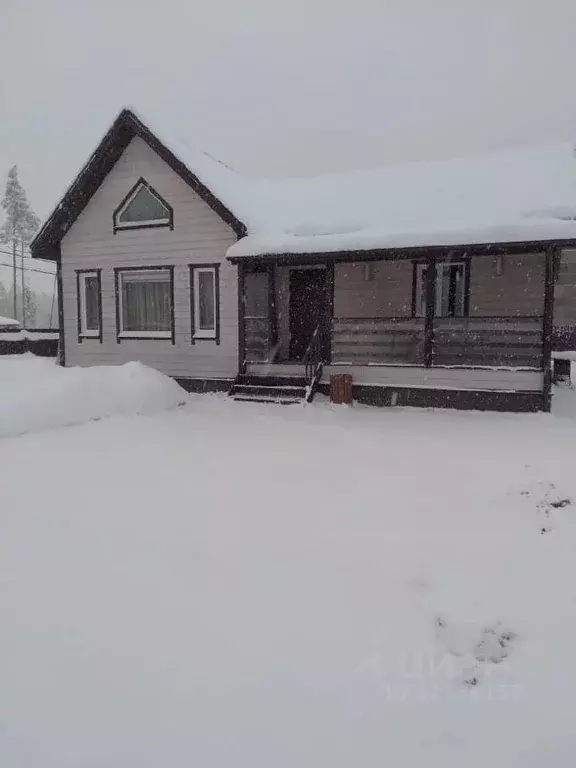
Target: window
x,y
450,289
88,287
142,207
205,302
145,303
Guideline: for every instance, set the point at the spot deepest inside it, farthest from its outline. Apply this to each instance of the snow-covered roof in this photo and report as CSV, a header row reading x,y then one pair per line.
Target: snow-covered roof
x,y
8,322
513,196
517,196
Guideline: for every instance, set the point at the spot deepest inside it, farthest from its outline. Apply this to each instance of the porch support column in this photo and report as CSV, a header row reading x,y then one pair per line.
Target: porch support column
x,y
241,321
430,277
547,326
329,310
272,314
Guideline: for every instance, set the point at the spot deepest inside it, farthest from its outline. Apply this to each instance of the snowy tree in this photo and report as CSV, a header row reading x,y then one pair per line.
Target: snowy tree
x,y
18,229
5,307
29,306
21,222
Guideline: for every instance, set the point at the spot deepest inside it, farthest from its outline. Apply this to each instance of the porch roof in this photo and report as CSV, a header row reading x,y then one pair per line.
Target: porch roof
x,y
513,197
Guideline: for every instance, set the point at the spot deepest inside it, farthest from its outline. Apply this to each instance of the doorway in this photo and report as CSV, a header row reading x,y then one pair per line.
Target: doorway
x,y
307,309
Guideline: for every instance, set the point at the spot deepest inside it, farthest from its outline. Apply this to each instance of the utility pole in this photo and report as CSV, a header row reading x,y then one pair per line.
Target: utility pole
x,y
14,271
23,294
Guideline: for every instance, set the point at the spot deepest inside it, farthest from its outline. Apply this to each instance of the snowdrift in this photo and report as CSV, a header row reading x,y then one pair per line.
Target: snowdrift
x,y
36,394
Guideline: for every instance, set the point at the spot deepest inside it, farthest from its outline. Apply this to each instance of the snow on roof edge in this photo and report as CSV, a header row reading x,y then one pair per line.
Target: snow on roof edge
x,y
367,240
8,321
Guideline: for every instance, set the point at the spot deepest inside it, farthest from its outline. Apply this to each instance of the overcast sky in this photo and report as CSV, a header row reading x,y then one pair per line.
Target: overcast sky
x,y
283,86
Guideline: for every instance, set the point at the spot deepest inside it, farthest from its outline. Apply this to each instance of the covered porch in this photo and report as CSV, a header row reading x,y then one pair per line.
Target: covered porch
x,y
470,320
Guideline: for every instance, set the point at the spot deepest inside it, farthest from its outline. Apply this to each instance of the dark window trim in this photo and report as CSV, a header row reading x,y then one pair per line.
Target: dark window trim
x,y
129,227
466,260
82,336
155,268
216,267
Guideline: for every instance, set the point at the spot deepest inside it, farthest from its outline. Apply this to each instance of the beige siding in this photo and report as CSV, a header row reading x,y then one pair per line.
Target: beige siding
x,y
519,290
565,292
379,289
199,236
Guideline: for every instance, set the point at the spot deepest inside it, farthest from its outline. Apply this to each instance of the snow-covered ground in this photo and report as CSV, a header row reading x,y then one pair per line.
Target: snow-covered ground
x,y
37,394
227,584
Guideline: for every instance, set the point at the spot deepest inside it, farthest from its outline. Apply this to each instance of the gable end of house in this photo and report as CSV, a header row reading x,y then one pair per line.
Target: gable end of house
x,y
126,127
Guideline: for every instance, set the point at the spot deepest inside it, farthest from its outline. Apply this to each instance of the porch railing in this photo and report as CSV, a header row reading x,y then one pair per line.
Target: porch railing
x,y
365,341
514,342
511,342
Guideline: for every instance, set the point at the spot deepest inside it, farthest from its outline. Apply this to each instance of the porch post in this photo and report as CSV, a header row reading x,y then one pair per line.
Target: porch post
x,y
547,326
272,315
430,310
241,321
329,310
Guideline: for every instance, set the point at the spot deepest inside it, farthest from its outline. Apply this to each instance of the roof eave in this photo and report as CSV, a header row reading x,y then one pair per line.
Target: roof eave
x,y
406,252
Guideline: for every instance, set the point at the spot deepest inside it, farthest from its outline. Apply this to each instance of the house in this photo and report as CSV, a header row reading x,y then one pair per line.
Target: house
x,y
430,283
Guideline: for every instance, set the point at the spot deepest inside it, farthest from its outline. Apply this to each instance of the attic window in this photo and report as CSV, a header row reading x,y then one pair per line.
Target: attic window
x,y
142,208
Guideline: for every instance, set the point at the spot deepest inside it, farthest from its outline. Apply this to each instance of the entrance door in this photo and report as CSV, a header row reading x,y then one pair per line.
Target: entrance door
x,y
307,308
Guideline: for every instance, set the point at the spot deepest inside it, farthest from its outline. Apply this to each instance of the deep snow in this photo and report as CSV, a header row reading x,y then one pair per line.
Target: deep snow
x,y
37,394
230,584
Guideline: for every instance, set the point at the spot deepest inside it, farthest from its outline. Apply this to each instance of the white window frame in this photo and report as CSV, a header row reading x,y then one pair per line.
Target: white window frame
x,y
164,222
204,333
122,334
88,333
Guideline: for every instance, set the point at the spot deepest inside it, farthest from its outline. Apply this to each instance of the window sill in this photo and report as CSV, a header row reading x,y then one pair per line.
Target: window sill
x,y
89,335
145,335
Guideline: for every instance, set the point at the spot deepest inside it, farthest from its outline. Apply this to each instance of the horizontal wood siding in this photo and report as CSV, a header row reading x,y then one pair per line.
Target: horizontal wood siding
x,y
372,340
565,290
378,289
199,237
519,290
500,341
440,378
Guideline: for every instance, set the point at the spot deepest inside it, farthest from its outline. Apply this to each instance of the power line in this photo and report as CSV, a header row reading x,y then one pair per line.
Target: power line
x,y
9,253
27,269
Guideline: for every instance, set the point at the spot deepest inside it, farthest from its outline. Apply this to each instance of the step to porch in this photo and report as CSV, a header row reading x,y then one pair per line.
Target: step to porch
x,y
281,390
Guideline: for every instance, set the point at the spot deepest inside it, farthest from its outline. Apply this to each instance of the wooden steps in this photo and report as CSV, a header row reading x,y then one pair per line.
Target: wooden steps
x,y
280,390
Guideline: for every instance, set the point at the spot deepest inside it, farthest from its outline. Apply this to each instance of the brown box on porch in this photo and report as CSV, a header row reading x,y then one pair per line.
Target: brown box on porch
x,y
341,388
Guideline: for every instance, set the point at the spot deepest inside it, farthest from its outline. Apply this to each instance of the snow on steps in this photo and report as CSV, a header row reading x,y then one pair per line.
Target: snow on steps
x,y
270,389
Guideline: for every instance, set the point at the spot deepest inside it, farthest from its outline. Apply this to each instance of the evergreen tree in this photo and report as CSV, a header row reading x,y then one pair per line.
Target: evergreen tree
x,y
21,222
5,307
29,306
18,229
